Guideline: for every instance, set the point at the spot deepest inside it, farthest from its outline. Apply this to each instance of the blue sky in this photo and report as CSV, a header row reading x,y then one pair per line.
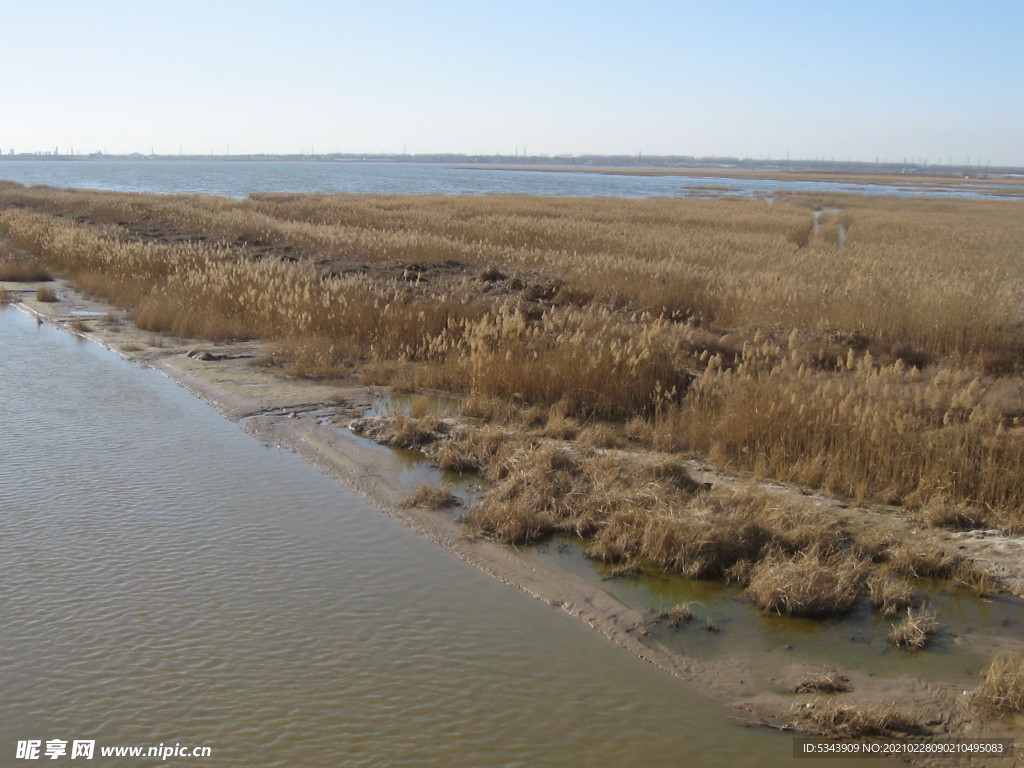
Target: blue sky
x,y
938,81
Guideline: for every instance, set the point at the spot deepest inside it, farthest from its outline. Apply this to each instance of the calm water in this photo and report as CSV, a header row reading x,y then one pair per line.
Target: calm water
x,y
167,579
240,179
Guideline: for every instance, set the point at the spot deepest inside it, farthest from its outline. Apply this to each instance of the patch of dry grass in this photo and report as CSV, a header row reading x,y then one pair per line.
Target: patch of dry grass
x,y
430,496
810,583
17,266
677,615
730,328
890,595
827,681
1002,685
46,293
916,631
849,721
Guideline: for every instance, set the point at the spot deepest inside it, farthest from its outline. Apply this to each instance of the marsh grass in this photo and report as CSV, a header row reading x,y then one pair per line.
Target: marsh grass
x,y
677,615
46,294
1002,685
17,266
832,718
23,271
810,583
430,496
827,681
891,595
916,631
728,328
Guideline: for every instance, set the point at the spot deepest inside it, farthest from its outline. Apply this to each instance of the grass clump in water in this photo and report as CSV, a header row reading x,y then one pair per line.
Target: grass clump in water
x,y
811,583
677,615
916,631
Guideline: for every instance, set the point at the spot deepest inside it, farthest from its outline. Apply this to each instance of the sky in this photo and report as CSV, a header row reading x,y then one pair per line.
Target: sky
x,y
899,80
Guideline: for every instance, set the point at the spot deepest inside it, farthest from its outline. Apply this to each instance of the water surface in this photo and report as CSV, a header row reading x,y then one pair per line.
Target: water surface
x,y
167,579
237,178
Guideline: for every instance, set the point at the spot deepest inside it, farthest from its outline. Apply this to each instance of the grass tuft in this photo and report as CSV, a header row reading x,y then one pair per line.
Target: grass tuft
x,y
429,496
832,718
1002,685
916,631
677,615
808,584
825,682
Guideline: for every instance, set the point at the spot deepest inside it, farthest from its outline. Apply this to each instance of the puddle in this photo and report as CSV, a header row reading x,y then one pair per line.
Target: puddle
x,y
858,640
416,470
389,404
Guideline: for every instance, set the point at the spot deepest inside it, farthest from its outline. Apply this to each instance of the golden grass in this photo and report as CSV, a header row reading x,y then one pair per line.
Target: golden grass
x,y
430,496
677,615
810,583
23,271
916,631
890,595
735,329
832,718
1002,685
46,293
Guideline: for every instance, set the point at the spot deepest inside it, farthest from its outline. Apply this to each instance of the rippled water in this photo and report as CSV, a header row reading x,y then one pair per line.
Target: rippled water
x,y
236,178
167,579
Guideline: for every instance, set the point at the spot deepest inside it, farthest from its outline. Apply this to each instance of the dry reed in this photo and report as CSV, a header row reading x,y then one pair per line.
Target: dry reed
x,y
916,631
1002,685
430,496
849,721
864,364
827,681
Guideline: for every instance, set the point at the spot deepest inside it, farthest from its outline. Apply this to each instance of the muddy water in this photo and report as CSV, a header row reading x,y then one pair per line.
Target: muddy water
x,y
167,579
858,640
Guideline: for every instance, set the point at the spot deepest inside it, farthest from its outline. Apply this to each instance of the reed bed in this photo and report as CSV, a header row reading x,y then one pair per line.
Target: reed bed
x,y
874,351
636,510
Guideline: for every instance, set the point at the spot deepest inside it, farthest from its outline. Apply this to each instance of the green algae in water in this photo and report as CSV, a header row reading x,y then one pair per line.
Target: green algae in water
x,y
858,640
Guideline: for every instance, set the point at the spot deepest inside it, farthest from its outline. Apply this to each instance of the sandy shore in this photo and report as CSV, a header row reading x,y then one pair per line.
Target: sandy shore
x,y
310,418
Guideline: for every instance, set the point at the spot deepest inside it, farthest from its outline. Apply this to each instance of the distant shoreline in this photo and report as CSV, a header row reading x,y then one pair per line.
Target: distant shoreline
x,y
633,165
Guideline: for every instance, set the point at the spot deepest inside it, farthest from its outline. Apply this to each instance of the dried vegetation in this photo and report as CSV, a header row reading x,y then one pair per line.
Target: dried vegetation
x,y
870,347
832,718
1002,685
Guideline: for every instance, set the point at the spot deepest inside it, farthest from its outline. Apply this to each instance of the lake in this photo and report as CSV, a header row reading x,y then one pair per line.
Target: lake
x,y
238,178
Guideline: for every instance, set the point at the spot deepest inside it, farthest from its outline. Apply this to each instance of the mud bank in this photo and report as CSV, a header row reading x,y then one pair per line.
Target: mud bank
x,y
311,418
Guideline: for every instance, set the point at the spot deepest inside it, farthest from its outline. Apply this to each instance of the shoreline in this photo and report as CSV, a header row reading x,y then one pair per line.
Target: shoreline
x,y
308,418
